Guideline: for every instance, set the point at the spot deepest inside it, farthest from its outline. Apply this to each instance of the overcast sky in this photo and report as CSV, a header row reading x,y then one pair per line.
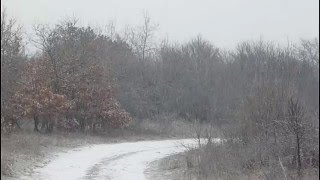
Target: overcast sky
x,y
223,22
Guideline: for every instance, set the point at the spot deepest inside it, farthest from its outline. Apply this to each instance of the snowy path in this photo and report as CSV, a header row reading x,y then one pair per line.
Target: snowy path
x,y
123,161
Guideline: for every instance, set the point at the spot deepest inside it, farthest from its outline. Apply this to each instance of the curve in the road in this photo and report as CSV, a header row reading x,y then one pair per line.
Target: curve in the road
x,y
123,161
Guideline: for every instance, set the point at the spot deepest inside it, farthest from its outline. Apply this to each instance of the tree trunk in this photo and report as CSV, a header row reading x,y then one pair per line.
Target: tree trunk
x,y
50,127
298,157
82,124
36,123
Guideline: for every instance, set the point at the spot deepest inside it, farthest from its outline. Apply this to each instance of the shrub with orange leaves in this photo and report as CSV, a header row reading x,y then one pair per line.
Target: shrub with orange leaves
x,y
35,98
92,103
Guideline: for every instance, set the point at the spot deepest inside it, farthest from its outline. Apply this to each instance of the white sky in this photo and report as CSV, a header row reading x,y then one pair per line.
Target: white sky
x,y
223,22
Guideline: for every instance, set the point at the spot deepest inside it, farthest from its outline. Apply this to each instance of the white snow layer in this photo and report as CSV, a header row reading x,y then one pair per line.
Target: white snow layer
x,y
123,161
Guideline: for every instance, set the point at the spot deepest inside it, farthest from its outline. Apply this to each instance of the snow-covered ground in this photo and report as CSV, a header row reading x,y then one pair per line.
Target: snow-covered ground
x,y
123,161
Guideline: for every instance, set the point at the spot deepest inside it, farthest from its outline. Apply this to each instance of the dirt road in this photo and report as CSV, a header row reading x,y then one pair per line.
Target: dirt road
x,y
123,161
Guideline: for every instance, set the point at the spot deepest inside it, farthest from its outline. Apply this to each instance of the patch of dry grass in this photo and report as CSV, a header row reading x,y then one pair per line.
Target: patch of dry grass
x,y
173,126
218,162
22,151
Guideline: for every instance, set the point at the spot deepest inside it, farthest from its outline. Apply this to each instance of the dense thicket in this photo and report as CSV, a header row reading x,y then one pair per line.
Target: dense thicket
x,y
68,84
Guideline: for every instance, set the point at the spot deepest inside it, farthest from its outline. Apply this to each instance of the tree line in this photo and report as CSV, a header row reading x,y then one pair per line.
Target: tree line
x,y
81,79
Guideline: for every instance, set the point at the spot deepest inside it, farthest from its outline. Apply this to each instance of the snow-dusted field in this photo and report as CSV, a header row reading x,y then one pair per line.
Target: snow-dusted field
x,y
123,161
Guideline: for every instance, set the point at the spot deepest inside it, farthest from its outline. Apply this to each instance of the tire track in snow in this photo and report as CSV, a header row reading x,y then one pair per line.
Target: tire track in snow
x,y
93,172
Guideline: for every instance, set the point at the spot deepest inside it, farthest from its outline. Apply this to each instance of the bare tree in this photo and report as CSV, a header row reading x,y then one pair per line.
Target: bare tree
x,y
11,54
12,61
296,127
141,38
